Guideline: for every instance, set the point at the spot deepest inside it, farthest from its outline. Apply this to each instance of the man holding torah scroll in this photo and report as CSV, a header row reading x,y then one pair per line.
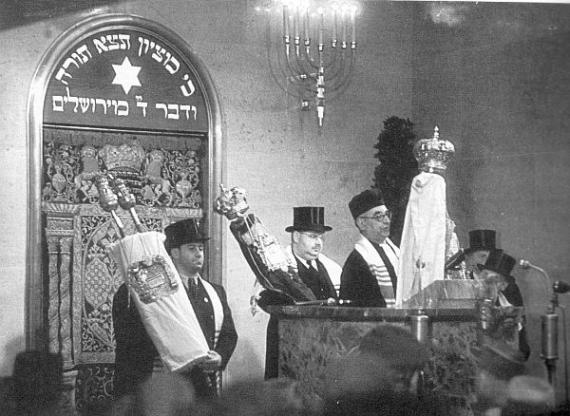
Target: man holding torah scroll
x,y
273,268
136,353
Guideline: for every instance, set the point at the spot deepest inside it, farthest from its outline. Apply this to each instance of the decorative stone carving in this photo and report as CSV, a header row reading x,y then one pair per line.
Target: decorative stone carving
x,y
157,177
53,300
65,301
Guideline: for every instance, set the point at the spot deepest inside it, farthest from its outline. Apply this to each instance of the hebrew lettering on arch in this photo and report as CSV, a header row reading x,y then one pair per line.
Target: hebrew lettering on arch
x,y
62,73
145,45
83,54
100,45
125,41
162,106
57,103
171,64
69,61
141,104
187,89
157,54
175,114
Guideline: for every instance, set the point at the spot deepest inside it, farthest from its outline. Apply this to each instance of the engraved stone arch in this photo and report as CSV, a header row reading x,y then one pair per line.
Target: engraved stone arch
x,y
125,94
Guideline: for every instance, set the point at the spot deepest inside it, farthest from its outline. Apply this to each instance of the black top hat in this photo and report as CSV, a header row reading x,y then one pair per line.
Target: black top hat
x,y
481,240
364,201
184,232
308,219
499,262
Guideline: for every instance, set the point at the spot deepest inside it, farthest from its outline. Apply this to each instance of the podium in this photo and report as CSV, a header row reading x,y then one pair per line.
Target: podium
x,y
446,294
310,337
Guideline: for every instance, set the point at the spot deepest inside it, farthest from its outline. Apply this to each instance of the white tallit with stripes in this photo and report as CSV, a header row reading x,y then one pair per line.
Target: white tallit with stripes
x,y
377,266
218,308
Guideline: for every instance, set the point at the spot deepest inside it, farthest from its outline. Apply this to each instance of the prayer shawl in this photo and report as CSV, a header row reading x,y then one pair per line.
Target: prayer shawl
x,y
377,266
218,309
423,243
160,298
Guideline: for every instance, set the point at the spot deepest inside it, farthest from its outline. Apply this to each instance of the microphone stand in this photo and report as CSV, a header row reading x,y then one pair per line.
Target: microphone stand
x,y
420,325
549,325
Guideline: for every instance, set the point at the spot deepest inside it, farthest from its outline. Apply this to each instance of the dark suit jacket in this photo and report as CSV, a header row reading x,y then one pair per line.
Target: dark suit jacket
x,y
322,287
513,295
135,353
319,282
358,284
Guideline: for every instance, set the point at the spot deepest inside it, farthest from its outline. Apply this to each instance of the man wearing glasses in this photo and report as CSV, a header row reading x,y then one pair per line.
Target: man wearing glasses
x,y
369,274
317,271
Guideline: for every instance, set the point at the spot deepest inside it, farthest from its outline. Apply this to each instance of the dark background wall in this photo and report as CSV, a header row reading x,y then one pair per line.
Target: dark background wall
x,y
496,78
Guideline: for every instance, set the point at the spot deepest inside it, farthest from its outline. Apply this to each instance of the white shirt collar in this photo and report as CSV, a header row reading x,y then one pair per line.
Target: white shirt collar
x,y
185,279
306,262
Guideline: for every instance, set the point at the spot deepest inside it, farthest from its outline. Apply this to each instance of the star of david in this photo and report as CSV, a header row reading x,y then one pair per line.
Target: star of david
x,y
126,75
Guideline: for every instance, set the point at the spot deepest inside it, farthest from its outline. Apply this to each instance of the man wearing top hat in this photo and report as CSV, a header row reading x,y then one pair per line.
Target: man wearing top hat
x,y
481,243
497,269
136,357
317,271
369,275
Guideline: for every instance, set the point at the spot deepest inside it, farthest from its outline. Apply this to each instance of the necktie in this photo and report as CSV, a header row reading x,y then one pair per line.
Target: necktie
x,y
193,287
312,265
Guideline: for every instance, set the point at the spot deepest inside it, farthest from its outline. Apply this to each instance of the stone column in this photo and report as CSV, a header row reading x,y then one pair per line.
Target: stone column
x,y
59,236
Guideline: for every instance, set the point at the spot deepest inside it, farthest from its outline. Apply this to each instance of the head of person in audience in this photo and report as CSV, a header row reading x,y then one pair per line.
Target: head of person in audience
x,y
274,397
307,232
165,394
378,374
497,363
371,215
529,396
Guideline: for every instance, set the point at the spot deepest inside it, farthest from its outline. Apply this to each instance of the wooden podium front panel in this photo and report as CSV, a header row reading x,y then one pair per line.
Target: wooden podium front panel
x,y
307,346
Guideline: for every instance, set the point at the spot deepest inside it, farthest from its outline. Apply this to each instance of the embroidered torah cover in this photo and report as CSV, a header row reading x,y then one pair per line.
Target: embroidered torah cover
x,y
160,298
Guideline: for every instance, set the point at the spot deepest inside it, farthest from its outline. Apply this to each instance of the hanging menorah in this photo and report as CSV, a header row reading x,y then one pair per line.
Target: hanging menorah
x,y
316,49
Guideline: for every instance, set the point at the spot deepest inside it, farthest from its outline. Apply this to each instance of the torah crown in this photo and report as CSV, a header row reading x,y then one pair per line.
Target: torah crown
x,y
433,154
123,156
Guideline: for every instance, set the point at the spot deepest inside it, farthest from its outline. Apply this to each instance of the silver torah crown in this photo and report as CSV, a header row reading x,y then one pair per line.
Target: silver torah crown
x,y
433,154
231,203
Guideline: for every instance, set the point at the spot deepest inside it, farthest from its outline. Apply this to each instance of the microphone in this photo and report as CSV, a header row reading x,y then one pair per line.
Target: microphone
x,y
560,287
525,264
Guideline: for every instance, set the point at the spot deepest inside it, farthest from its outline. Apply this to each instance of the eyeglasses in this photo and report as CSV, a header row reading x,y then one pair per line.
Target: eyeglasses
x,y
379,216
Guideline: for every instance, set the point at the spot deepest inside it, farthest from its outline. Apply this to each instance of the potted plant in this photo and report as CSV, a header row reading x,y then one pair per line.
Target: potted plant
x,y
393,176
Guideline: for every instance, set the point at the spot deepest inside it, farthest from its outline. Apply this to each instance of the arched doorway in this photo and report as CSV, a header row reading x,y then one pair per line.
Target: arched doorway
x,y
114,93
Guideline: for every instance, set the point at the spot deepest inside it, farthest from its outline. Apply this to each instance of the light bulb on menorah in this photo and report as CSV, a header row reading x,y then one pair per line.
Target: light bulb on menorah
x,y
316,49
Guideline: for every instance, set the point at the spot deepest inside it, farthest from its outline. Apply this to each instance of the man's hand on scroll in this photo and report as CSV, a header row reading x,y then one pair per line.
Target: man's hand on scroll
x,y
211,362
